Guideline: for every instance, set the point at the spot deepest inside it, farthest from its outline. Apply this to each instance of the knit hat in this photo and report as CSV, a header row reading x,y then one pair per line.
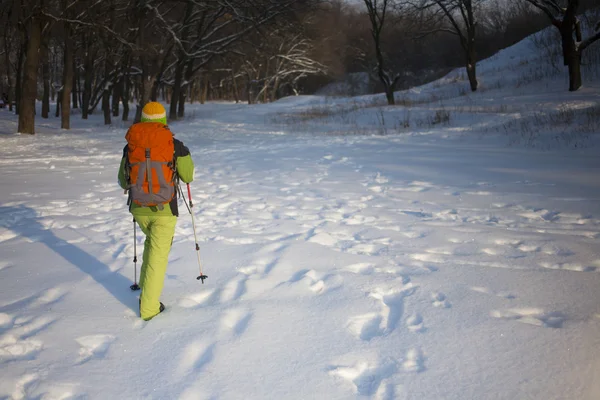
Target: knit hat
x,y
154,112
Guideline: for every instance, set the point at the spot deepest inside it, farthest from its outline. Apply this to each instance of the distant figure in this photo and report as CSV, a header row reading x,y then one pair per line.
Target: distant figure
x,y
152,164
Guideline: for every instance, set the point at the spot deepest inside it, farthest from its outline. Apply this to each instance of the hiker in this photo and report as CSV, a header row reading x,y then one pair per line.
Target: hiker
x,y
151,146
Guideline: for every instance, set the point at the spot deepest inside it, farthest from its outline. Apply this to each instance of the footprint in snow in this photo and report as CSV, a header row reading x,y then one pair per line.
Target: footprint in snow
x,y
235,320
368,326
234,289
13,348
33,326
569,267
360,268
197,300
415,323
6,321
364,378
196,356
503,294
414,361
50,296
439,299
321,284
531,316
24,385
93,346
4,265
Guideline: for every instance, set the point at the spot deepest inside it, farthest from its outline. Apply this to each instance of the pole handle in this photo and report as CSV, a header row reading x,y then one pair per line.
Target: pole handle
x,y
190,195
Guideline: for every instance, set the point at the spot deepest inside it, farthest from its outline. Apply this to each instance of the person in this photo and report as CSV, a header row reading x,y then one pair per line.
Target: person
x,y
156,221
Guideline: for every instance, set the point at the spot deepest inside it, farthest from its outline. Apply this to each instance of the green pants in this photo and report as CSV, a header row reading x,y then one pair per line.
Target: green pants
x,y
159,231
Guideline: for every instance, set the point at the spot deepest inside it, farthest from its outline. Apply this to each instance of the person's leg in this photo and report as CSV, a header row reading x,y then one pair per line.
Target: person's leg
x,y
159,236
145,227
144,222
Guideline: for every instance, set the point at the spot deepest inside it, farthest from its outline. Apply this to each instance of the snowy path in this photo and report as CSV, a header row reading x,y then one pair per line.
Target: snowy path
x,y
386,268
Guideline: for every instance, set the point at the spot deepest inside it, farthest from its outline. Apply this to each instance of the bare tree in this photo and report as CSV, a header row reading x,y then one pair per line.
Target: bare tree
x,y
378,10
45,77
563,15
203,31
34,25
8,20
461,16
67,85
279,60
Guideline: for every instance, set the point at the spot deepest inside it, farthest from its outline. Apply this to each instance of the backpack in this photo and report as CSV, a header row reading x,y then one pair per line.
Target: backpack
x,y
150,164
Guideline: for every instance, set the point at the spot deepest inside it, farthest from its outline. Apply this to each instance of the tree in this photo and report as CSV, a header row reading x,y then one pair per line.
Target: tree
x,y
204,31
377,11
30,74
563,15
461,16
279,61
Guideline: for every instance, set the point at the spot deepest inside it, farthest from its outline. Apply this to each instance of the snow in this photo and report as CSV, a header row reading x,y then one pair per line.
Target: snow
x,y
454,260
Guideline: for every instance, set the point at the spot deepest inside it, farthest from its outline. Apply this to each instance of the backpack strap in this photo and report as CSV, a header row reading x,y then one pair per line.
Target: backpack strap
x,y
126,169
180,151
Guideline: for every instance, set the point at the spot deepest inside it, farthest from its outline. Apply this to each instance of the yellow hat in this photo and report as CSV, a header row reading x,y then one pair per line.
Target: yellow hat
x,y
154,112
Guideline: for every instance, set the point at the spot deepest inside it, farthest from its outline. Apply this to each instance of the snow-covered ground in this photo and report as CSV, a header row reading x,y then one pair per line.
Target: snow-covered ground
x,y
450,258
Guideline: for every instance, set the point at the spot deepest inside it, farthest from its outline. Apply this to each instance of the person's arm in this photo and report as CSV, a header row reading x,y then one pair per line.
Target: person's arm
x,y
184,162
122,177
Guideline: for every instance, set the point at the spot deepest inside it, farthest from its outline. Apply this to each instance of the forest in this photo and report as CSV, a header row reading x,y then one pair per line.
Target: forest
x,y
101,56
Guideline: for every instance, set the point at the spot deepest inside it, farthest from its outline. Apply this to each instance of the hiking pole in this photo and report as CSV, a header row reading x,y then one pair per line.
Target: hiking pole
x,y
135,286
201,277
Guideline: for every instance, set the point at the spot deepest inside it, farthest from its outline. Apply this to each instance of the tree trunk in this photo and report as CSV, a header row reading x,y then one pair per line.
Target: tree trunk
x,y
65,115
387,85
183,94
571,55
471,49
148,78
116,97
235,87
88,77
58,97
176,90
249,88
53,64
574,71
46,78
181,104
471,68
106,106
191,88
204,94
106,94
389,94
8,73
126,89
155,90
29,91
274,96
19,79
74,85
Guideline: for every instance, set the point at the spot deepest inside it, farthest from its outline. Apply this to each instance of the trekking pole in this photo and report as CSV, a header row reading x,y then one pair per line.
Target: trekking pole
x,y
135,286
201,277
